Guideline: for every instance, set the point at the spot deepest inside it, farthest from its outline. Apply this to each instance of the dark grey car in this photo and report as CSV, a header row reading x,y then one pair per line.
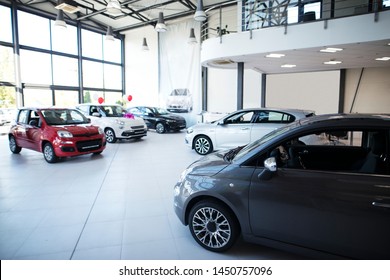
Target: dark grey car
x,y
319,187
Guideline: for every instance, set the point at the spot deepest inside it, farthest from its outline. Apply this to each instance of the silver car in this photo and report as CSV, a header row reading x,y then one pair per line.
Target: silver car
x,y
240,128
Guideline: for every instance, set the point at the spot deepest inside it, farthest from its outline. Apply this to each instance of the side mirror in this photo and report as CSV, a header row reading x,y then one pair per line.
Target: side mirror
x,y
270,167
270,164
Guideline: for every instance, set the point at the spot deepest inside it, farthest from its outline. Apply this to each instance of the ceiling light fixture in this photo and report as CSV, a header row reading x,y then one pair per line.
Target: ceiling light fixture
x,y
200,15
333,62
192,38
60,22
110,34
275,55
385,58
114,7
68,6
160,26
331,50
145,46
288,66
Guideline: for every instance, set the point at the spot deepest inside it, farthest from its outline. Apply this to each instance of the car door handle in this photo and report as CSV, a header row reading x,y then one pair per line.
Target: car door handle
x,y
379,204
245,128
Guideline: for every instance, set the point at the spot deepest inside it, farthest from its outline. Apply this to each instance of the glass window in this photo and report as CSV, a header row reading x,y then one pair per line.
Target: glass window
x,y
356,151
7,97
65,71
92,74
35,67
23,116
113,98
6,24
66,98
7,71
112,76
91,96
92,44
37,97
112,51
64,39
34,30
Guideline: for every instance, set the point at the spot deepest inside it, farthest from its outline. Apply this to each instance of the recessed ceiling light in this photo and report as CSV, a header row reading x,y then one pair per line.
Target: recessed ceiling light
x,y
385,58
275,55
331,50
288,66
332,62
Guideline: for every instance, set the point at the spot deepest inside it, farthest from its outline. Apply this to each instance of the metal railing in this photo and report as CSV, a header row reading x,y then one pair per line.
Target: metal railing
x,y
249,15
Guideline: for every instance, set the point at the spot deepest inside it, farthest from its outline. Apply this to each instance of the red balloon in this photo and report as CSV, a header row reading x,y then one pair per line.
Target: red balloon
x,y
129,97
100,100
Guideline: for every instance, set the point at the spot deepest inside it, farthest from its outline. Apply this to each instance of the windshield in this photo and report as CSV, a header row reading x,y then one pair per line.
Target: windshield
x,y
161,111
113,111
275,133
63,117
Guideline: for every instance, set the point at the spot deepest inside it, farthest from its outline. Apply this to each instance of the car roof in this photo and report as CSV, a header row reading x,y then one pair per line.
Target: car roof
x,y
342,118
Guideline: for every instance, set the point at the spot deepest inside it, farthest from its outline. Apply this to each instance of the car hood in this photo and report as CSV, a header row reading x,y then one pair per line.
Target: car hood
x,y
79,129
209,165
171,117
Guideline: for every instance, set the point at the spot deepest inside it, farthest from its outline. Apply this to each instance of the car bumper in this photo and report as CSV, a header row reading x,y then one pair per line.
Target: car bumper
x,y
70,148
176,126
137,133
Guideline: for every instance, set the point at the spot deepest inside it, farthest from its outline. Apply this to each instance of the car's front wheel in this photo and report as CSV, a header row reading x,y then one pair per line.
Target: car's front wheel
x,y
49,154
13,146
110,135
160,128
213,226
203,145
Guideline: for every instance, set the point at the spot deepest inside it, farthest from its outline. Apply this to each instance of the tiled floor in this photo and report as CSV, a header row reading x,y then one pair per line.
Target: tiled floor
x,y
114,206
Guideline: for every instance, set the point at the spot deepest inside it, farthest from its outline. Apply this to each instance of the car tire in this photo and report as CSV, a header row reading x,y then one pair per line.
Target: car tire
x,y
213,226
13,146
203,145
110,135
160,128
49,154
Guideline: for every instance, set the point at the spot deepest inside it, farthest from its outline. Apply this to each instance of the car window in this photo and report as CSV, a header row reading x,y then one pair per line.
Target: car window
x,y
112,111
355,151
63,117
240,118
23,116
274,117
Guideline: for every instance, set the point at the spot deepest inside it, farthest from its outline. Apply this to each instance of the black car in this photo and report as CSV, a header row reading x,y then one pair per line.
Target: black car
x,y
319,186
158,118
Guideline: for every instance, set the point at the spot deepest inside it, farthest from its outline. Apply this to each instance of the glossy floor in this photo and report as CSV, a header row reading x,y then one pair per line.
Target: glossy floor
x,y
114,206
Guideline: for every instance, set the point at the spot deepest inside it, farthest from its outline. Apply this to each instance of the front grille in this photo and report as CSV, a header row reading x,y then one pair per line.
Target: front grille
x,y
91,145
138,127
85,134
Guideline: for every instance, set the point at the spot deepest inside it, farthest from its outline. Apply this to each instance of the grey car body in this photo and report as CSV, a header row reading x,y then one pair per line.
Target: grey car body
x,y
327,200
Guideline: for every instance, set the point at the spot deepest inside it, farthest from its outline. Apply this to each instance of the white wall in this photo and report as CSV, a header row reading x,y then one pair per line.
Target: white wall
x,y
317,91
373,93
141,68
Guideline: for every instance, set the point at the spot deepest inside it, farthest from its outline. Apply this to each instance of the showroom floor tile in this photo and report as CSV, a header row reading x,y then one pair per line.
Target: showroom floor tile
x,y
117,205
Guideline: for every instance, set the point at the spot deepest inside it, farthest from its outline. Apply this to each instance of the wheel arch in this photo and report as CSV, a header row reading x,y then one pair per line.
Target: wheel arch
x,y
43,144
219,201
200,135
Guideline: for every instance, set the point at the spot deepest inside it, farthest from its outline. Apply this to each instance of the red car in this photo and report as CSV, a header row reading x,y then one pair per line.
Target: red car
x,y
56,132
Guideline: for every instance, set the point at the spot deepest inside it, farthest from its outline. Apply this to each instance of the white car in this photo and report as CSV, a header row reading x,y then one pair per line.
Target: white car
x,y
180,100
240,128
115,122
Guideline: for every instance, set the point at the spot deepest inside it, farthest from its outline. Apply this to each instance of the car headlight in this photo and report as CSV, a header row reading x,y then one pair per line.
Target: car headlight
x,y
100,130
190,130
64,134
119,122
170,121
